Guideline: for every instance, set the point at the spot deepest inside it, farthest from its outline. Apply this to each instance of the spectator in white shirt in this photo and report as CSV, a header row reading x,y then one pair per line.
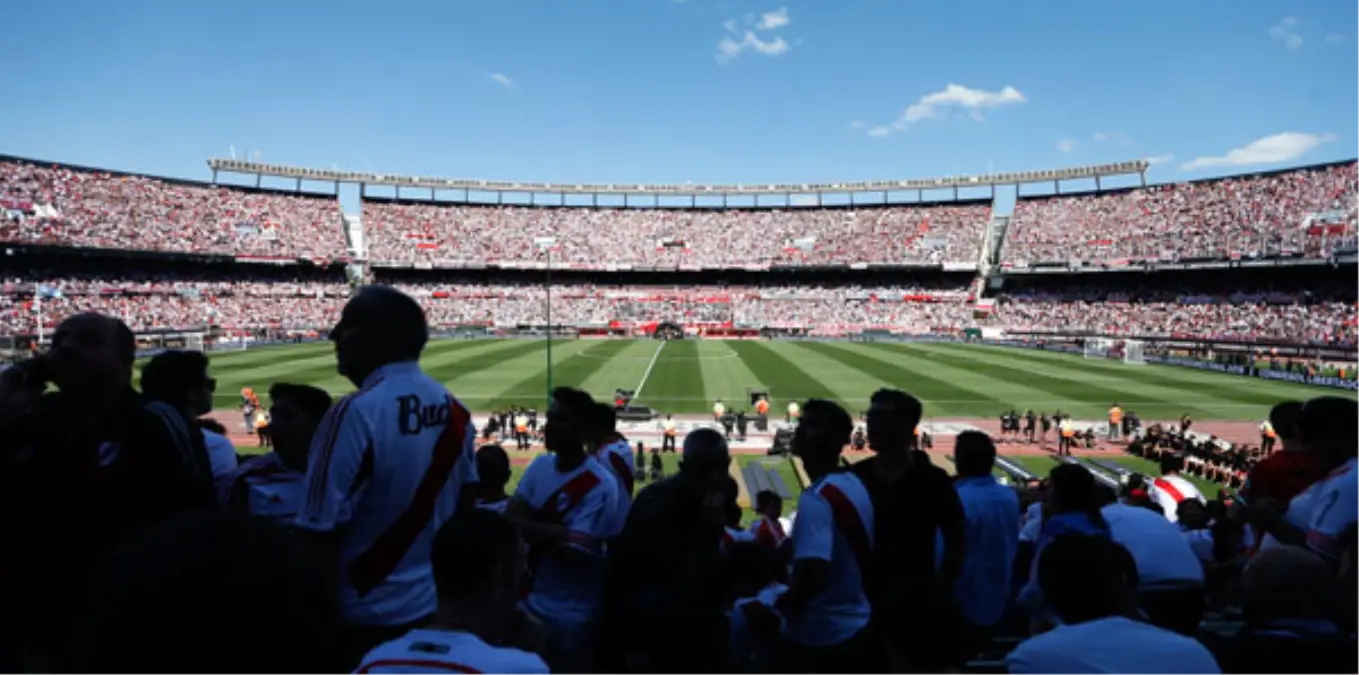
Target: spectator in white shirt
x,y
564,502
1090,583
1171,488
387,470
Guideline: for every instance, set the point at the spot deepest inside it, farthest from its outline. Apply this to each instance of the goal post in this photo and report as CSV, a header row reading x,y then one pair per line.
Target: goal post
x,y
1097,348
1133,353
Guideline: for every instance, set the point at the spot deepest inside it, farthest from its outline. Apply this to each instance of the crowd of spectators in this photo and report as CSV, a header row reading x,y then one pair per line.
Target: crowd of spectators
x,y
1306,212
1323,318
62,206
399,232
377,542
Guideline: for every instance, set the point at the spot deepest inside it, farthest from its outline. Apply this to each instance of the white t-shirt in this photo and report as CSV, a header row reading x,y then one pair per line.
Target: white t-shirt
x,y
1163,556
617,457
387,468
582,500
425,650
221,454
1169,491
1337,506
1110,645
842,609
272,490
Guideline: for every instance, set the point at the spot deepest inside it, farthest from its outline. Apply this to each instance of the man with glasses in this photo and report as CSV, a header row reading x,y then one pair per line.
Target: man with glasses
x,y
181,380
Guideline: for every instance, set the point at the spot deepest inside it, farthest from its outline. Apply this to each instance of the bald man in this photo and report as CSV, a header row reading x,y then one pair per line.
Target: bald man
x,y
664,605
387,469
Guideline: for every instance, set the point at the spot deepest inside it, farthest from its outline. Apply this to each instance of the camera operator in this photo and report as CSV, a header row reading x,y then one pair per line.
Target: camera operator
x,y
84,465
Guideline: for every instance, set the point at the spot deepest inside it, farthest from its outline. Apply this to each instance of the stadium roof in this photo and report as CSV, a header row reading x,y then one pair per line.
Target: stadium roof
x,y
300,173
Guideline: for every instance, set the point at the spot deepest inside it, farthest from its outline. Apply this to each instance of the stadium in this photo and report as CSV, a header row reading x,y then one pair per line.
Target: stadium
x,y
671,300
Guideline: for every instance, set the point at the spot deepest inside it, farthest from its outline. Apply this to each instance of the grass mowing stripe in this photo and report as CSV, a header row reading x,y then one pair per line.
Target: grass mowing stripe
x,y
1214,385
784,379
725,375
849,385
676,381
569,372
1094,399
908,379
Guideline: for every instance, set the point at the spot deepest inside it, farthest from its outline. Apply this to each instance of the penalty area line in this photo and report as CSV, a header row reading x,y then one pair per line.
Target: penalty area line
x,y
637,393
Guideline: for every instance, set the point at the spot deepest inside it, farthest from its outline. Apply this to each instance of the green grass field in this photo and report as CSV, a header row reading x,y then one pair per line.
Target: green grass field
x,y
954,380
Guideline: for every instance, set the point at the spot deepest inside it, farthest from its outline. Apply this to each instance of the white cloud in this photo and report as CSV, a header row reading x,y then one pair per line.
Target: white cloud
x,y
1160,159
954,96
858,125
501,79
753,36
1286,31
1283,147
773,20
1065,145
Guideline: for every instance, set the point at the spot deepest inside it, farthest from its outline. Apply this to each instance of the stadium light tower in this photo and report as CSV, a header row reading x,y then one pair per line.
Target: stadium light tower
x,y
546,244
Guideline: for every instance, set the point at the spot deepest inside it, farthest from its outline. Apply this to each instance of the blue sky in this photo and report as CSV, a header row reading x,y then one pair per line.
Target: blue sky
x,y
671,91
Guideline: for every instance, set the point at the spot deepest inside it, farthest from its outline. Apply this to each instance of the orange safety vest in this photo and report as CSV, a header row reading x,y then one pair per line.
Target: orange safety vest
x,y
762,407
521,428
1116,415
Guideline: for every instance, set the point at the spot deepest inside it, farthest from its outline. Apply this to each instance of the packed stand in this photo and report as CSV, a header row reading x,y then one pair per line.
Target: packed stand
x,y
60,206
145,545
1305,212
169,302
591,238
1321,317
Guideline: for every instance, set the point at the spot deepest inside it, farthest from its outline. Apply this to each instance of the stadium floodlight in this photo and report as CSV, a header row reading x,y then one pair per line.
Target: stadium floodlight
x,y
546,244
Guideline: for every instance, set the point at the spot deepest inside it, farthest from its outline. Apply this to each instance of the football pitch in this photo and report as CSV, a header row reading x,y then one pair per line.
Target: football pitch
x,y
685,377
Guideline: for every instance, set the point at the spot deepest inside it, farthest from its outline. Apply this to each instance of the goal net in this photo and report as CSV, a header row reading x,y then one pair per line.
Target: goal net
x,y
1097,348
1132,353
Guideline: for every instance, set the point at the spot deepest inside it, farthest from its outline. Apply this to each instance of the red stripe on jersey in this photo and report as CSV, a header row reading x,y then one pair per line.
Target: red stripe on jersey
x,y
620,466
372,566
849,521
770,532
418,663
1165,486
316,490
554,509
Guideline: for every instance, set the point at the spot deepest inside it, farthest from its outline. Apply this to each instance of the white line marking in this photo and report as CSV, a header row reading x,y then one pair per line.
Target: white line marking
x,y
637,393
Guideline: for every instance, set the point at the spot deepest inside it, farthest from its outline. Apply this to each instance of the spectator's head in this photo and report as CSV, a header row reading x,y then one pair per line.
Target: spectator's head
x,y
569,422
92,355
479,563
379,325
604,424
239,592
1330,426
1192,514
974,454
705,456
1287,582
821,435
1286,418
1171,464
769,503
493,471
181,379
1074,490
1084,578
893,416
295,413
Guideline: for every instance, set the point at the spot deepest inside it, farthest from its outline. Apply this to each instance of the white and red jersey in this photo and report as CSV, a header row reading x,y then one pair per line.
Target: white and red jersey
x,y
617,456
769,532
834,523
1336,510
1169,491
582,500
431,650
387,468
269,489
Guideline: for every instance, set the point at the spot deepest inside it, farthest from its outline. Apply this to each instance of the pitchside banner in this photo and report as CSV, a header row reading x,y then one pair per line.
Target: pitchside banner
x,y
1318,380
